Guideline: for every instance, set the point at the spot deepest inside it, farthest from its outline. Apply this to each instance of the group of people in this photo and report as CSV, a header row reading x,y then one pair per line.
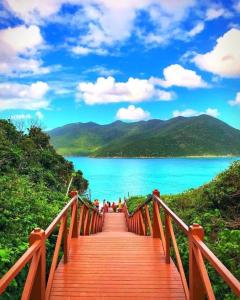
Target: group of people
x,y
108,206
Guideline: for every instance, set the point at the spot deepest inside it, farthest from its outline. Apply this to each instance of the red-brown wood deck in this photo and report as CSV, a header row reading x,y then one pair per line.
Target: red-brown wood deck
x,y
116,264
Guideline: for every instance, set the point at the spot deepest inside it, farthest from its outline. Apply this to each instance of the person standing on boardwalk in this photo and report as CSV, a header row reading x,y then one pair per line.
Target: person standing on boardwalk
x,y
120,205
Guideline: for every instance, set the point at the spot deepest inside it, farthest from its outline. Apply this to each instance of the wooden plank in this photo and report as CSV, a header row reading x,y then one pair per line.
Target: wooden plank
x,y
116,264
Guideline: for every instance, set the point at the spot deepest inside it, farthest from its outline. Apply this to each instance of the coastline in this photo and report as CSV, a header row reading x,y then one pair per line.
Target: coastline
x,y
156,157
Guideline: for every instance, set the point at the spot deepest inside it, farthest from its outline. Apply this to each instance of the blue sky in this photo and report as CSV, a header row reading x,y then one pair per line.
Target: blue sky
x,y
100,60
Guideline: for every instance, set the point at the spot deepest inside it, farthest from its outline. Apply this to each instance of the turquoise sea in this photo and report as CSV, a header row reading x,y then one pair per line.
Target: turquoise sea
x,y
111,178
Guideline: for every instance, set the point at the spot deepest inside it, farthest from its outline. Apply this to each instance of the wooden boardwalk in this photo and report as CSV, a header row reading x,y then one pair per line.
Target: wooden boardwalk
x,y
116,264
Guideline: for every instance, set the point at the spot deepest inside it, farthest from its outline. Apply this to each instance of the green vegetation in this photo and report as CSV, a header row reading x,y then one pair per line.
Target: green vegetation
x,y
216,206
33,183
194,136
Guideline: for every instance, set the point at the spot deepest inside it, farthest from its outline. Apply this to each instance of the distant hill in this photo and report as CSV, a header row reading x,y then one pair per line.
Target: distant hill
x,y
193,136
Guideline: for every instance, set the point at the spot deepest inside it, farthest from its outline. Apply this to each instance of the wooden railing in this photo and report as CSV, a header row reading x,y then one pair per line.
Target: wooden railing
x,y
198,287
84,219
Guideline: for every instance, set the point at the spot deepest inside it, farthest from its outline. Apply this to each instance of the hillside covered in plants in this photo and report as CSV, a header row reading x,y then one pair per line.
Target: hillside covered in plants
x,y
33,183
215,206
181,136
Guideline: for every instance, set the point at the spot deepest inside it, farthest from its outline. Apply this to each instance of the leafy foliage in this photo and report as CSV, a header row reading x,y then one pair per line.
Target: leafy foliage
x,y
216,206
202,135
33,183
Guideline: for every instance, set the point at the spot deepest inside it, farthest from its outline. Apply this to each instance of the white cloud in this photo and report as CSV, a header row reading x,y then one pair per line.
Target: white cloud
x,y
193,113
39,115
216,12
19,46
237,5
22,96
79,50
196,29
33,11
106,23
224,59
132,113
108,90
102,71
236,101
21,39
212,112
19,117
176,75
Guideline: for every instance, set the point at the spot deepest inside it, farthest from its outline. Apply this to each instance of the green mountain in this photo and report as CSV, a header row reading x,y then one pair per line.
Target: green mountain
x,y
193,136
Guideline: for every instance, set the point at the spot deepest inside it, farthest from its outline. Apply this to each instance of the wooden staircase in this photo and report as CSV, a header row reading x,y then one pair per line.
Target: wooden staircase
x,y
116,264
117,256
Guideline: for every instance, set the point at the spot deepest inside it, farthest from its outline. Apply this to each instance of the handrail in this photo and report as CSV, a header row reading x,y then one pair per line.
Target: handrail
x,y
88,221
18,266
55,221
218,266
199,283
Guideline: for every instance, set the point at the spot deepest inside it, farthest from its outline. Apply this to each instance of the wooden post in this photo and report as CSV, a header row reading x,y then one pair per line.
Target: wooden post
x,y
94,222
65,239
142,224
91,222
196,287
75,220
81,218
167,229
156,225
85,230
148,219
39,284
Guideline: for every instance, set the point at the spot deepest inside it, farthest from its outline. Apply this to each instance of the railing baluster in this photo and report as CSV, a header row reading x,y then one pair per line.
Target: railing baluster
x,y
94,222
203,273
55,257
168,238
27,291
157,224
148,219
65,238
141,223
91,222
37,289
196,287
81,215
75,220
85,230
178,258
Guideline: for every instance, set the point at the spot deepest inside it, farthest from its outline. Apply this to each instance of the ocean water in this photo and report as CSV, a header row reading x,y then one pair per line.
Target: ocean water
x,y
111,178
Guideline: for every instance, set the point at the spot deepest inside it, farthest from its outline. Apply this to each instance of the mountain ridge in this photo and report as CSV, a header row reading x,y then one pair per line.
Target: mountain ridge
x,y
180,136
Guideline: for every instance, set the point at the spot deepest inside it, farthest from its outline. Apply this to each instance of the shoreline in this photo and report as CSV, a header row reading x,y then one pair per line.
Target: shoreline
x,y
155,157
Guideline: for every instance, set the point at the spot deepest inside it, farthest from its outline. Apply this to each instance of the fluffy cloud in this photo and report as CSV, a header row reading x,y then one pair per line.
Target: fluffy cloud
x,y
20,117
196,29
21,39
107,90
132,113
39,115
224,59
193,113
236,101
102,71
22,96
176,75
33,11
216,12
105,23
19,46
23,117
237,6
